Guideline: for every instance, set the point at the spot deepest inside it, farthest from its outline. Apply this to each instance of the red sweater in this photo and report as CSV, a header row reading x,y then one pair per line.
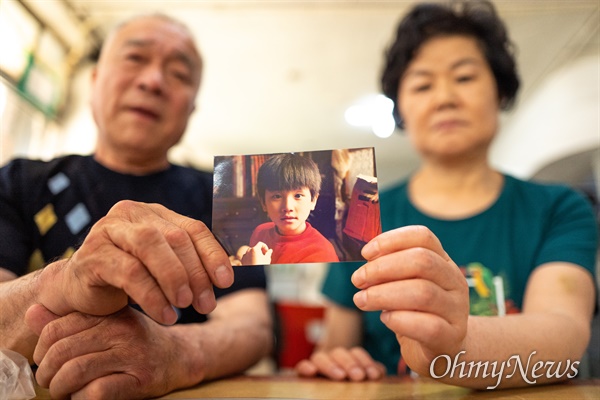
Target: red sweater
x,y
308,247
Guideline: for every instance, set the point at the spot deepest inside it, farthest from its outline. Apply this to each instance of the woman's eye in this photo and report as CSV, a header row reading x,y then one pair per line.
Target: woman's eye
x,y
421,88
465,78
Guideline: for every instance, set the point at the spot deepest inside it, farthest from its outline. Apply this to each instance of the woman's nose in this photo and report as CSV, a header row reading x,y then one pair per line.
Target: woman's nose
x,y
445,94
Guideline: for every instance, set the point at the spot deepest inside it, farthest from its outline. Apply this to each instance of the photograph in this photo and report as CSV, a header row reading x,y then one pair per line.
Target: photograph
x,y
298,207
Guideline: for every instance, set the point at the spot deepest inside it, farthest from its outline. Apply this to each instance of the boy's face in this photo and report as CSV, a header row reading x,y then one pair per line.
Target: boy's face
x,y
289,209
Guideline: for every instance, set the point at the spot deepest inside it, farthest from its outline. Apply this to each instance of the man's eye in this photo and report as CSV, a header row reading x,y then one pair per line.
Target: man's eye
x,y
182,76
134,57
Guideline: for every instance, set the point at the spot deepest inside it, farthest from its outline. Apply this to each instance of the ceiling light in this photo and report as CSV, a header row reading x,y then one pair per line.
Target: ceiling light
x,y
373,111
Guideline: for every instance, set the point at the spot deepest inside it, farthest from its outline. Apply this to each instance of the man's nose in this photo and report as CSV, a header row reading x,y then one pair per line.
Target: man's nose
x,y
152,79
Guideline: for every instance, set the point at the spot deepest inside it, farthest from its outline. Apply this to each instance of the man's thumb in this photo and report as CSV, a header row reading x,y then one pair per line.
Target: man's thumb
x,y
37,317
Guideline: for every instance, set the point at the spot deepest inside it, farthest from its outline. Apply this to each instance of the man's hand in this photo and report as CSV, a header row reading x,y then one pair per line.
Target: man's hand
x,y
145,252
124,355
354,364
423,296
260,254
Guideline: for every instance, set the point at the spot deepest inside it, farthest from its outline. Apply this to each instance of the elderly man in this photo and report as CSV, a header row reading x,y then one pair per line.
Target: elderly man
x,y
125,226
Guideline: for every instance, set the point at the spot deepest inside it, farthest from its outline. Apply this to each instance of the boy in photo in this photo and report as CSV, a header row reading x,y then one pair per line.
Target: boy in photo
x,y
288,188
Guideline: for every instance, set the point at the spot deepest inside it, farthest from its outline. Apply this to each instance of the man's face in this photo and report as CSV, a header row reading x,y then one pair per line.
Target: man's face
x,y
289,209
144,87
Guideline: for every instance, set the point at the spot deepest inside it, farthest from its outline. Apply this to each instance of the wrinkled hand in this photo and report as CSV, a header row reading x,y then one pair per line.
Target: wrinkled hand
x,y
260,254
145,252
423,296
354,364
120,356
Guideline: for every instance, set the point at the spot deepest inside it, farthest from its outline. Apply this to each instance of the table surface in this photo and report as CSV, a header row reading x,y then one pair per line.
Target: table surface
x,y
291,387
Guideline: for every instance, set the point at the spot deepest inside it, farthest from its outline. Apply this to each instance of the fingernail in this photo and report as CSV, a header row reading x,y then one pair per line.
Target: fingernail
x,y
184,296
356,374
169,315
206,302
360,299
359,277
223,276
370,250
373,373
338,373
384,317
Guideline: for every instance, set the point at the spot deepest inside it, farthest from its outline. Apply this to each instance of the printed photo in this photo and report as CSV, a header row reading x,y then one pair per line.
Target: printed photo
x,y
302,207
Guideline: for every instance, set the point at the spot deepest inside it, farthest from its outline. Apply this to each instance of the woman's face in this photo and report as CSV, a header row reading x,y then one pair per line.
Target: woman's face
x,y
448,99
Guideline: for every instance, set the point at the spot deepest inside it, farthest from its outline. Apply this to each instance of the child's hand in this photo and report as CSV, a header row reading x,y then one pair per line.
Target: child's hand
x,y
260,254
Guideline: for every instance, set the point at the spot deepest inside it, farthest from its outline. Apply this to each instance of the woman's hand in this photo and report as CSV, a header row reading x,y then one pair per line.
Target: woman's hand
x,y
423,295
354,364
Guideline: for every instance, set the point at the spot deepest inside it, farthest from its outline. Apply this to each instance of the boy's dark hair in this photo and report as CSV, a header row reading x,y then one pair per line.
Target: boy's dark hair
x,y
288,171
476,19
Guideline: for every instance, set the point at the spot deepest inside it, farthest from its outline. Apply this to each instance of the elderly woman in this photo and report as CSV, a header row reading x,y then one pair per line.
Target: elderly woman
x,y
527,250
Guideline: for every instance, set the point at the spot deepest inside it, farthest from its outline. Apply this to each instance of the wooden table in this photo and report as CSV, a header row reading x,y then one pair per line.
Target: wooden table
x,y
289,387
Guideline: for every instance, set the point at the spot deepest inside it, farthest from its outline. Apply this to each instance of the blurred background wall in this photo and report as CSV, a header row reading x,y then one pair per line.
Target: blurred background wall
x,y
280,76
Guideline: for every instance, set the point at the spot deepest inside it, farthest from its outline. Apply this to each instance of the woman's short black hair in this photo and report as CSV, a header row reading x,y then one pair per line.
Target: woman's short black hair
x,y
477,19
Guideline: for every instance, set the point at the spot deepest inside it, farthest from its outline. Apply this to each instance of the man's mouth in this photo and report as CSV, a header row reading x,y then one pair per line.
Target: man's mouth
x,y
144,112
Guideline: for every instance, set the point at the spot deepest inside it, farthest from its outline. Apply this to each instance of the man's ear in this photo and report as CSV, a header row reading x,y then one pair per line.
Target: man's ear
x,y
94,74
93,80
